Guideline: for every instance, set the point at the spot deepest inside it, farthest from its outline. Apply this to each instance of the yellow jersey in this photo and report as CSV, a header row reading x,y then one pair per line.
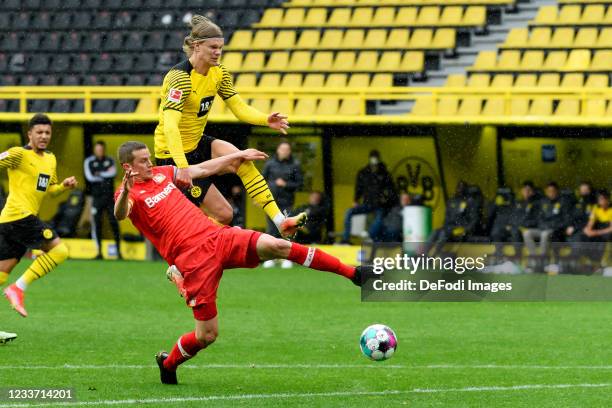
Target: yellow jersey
x,y
31,177
601,217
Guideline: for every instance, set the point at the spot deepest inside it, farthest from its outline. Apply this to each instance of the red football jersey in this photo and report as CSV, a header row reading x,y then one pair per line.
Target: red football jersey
x,y
165,216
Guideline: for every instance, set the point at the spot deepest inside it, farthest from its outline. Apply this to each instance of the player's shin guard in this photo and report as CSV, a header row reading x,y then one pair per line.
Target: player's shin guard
x,y
43,264
258,190
314,258
3,278
185,348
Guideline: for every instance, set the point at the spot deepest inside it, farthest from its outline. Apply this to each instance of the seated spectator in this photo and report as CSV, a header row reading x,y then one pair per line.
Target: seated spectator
x,y
393,222
317,212
580,214
527,210
599,226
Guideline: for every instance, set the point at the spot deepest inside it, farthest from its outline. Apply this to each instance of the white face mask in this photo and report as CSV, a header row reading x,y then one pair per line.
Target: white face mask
x,y
374,160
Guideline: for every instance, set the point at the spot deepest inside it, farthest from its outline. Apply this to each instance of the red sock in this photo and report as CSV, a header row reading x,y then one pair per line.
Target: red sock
x,y
186,347
314,258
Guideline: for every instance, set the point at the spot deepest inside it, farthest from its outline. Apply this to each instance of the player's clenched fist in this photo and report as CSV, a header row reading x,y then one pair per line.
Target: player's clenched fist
x,y
70,182
183,178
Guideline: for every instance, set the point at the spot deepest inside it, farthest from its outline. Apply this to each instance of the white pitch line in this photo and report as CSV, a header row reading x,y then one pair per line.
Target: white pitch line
x,y
309,366
522,387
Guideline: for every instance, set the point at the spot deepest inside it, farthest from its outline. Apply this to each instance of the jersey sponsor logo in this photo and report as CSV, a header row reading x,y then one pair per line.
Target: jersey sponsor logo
x,y
43,182
4,155
195,191
152,201
158,178
205,106
174,95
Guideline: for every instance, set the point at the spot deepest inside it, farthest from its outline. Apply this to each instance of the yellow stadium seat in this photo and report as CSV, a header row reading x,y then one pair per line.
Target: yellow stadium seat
x,y
451,15
331,39
586,38
383,17
569,14
262,39
568,107
413,61
444,38
294,17
519,107
314,81
362,17
517,37
359,81
602,61
300,60
526,80
270,80
322,61
309,39
532,60
261,104
429,16
541,107
455,80
382,81
344,61
593,14
609,110
540,37
279,61
578,60
421,38
562,37
594,107
423,106
305,106
291,81
328,106
339,17
398,38
605,36
241,40
485,60
315,17
546,15
245,81
608,17
375,39
272,17
389,61
353,39
509,60
478,80
232,60
572,80
367,60
406,16
283,105
494,106
301,2
285,39
555,60
597,81
475,16
448,105
470,106
351,106
550,80
502,81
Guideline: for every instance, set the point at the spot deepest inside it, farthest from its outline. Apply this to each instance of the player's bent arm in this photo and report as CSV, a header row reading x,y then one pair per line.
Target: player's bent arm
x,y
123,206
246,113
172,118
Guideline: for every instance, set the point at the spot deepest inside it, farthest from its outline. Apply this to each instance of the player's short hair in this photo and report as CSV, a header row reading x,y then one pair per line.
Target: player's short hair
x,y
529,183
101,143
39,119
202,28
127,149
604,193
553,184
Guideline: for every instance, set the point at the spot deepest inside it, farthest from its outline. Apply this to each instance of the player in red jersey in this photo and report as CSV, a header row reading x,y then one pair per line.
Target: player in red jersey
x,y
199,248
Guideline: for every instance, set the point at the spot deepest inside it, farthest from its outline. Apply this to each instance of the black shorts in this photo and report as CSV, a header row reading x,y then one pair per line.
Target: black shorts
x,y
17,236
201,153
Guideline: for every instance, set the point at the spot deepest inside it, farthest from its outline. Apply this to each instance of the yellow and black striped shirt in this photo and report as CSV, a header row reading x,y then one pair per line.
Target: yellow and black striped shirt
x,y
31,177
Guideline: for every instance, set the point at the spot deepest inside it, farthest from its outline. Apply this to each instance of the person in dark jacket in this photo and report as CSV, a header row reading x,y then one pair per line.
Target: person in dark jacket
x,y
284,176
527,210
579,215
317,212
374,193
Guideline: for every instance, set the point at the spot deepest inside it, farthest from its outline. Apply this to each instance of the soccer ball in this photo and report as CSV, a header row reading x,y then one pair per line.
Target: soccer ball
x,y
378,342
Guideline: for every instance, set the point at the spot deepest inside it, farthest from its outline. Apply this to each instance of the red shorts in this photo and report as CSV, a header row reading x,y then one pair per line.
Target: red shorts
x,y
203,265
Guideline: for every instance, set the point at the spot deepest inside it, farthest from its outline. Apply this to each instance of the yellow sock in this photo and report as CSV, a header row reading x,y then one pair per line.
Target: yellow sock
x,y
258,190
43,264
3,277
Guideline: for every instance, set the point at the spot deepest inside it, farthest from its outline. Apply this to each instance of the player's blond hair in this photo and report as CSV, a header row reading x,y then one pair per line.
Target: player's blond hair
x,y
202,28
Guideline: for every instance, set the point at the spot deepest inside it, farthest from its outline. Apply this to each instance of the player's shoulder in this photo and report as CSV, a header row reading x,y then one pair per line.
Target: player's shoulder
x,y
181,72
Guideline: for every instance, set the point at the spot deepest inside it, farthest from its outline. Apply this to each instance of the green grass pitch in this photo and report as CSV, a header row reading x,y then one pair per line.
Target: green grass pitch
x,y
290,338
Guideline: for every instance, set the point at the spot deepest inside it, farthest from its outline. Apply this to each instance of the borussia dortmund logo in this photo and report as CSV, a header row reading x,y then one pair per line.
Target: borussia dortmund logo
x,y
47,233
196,191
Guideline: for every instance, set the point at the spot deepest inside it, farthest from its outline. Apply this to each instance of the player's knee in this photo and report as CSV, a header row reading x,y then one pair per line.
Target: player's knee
x,y
225,216
280,247
206,338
